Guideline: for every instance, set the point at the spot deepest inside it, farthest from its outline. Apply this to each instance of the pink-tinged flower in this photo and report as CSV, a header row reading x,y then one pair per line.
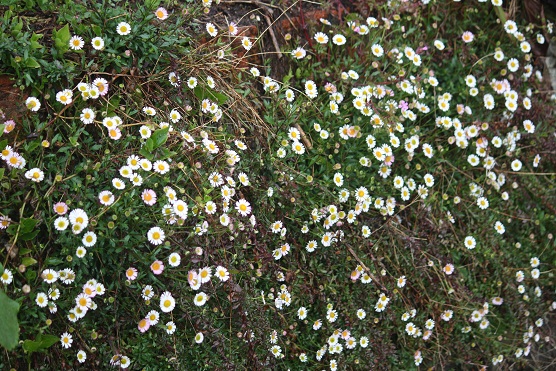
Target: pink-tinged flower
x,y
421,49
60,208
389,160
144,325
149,197
194,280
161,13
330,88
403,105
10,125
131,274
467,36
355,275
232,28
102,85
157,267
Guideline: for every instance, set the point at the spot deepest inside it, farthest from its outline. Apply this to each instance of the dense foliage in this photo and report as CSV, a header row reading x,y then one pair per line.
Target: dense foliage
x,y
384,201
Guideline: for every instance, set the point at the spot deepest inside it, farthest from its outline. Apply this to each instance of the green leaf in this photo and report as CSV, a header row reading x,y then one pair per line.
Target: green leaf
x,y
12,229
28,261
3,143
145,153
28,236
30,275
41,343
203,93
97,30
53,261
2,172
17,26
9,327
59,44
152,4
62,38
167,154
27,225
149,145
64,34
32,62
113,105
30,147
159,137
34,41
2,126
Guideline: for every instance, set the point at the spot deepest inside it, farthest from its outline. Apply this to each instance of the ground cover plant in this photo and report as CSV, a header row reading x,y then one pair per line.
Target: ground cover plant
x,y
175,196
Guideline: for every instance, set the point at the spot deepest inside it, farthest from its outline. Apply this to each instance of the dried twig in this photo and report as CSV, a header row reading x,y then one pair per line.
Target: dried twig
x,y
273,36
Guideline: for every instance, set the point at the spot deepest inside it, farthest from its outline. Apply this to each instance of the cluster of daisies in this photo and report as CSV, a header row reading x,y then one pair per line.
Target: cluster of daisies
x,y
83,301
77,42
167,302
388,110
391,107
233,32
77,221
16,161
